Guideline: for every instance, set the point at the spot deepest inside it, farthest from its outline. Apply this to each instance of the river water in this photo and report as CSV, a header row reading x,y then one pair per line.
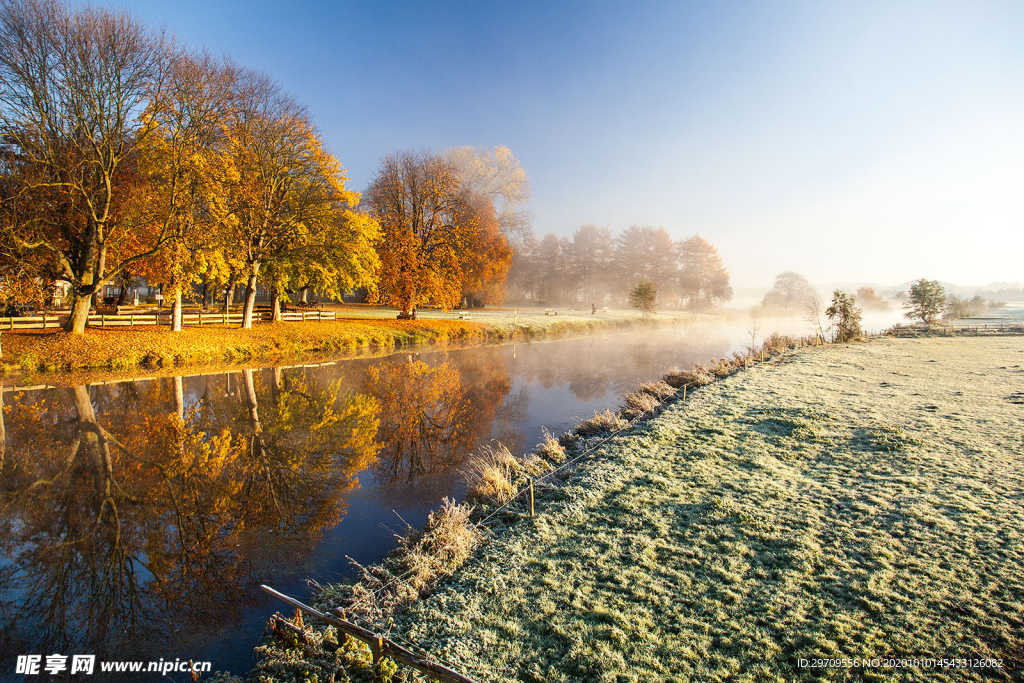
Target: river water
x,y
137,518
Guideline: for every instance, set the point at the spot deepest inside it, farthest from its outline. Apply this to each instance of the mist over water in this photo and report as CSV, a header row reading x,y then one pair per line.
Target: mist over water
x,y
155,530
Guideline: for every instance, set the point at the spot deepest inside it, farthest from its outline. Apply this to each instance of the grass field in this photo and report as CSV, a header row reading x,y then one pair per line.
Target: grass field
x,y
848,501
364,328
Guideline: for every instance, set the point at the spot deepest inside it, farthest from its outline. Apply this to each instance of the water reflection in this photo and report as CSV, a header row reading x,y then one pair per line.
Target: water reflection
x,y
122,519
437,414
146,512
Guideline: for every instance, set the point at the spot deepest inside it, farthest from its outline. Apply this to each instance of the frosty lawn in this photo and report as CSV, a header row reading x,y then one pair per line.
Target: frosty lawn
x,y
848,501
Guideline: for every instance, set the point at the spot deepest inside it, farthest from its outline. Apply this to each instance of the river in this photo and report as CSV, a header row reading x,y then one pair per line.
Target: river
x,y
137,518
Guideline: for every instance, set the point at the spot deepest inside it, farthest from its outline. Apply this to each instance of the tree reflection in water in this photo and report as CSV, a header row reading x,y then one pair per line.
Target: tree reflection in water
x,y
434,415
149,520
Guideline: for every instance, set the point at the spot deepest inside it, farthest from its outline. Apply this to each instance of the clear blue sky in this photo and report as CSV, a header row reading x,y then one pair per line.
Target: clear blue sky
x,y
852,141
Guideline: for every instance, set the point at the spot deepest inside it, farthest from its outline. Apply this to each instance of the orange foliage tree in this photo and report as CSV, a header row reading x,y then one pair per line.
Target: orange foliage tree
x,y
438,237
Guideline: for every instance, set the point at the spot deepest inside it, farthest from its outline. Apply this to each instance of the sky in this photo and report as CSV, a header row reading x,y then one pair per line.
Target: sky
x,y
860,142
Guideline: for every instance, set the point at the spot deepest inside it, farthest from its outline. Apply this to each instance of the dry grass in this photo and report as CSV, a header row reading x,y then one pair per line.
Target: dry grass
x,y
421,558
638,403
602,422
550,448
491,473
444,544
159,347
660,390
127,348
698,376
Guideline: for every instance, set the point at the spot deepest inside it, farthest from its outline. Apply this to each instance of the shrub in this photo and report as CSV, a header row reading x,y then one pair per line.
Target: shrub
x,y
642,297
551,448
638,403
603,421
845,315
699,376
660,390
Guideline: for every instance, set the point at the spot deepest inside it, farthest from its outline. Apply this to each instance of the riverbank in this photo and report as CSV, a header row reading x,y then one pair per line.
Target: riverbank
x,y
846,501
369,329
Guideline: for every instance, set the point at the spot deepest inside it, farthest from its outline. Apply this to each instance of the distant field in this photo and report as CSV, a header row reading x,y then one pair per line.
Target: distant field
x,y
509,315
848,502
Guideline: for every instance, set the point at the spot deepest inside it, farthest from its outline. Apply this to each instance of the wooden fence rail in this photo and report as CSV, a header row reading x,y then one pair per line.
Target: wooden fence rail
x,y
38,322
379,645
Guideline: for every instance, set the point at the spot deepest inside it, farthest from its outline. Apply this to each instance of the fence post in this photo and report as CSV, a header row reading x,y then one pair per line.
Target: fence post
x,y
200,323
684,391
531,496
44,320
103,320
131,320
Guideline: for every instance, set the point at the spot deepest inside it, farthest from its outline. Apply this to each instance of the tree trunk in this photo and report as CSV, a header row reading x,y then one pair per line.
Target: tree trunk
x,y
93,437
3,434
179,398
176,310
122,298
227,298
304,295
275,307
250,400
80,305
250,301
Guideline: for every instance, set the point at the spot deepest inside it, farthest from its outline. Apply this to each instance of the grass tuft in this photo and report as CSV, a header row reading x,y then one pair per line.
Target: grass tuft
x,y
659,390
602,422
491,473
550,448
699,377
638,403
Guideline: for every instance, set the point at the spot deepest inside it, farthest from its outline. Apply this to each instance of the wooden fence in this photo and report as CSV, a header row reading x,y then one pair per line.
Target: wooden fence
x,y
978,327
380,645
38,322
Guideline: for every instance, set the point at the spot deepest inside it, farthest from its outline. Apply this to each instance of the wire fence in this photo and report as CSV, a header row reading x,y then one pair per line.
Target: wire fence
x,y
352,609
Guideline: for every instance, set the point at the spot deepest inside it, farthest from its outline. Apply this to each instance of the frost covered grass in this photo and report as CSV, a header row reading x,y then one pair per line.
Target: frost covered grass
x,y
847,501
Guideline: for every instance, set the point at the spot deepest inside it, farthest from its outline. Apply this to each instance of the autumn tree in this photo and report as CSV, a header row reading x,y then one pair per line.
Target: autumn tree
x,y
869,299
497,175
925,301
179,162
790,294
283,194
488,257
592,262
434,232
73,88
647,253
704,281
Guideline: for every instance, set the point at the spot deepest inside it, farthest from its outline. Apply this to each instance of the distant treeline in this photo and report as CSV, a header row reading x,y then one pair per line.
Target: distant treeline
x,y
597,267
